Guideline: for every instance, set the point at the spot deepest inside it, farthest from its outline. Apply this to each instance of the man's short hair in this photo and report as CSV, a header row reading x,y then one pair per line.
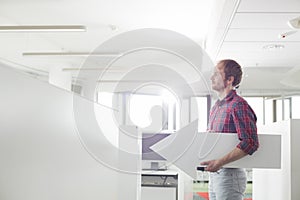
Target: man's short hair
x,y
232,68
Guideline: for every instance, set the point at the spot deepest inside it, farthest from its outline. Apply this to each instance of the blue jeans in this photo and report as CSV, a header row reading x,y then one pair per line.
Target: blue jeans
x,y
227,184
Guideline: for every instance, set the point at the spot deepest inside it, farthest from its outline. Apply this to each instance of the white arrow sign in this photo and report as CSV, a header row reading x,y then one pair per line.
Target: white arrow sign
x,y
187,149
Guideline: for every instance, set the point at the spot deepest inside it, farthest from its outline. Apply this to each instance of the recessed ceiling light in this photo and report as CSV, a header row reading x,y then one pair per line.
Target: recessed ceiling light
x,y
273,47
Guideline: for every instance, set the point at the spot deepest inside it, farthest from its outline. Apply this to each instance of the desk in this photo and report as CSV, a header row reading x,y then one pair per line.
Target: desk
x,y
160,185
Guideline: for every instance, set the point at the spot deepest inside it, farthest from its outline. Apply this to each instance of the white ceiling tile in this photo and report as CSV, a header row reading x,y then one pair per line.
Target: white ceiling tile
x,y
269,6
260,35
256,23
253,54
262,20
187,17
265,78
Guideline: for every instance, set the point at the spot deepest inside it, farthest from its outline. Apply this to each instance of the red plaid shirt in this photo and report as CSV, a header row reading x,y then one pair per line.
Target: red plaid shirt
x,y
234,115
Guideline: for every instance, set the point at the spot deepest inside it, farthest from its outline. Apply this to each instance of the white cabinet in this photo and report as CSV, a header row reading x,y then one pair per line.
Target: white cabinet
x,y
159,185
158,193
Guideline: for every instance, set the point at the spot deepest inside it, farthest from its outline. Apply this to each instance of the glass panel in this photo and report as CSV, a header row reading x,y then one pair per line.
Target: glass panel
x,y
199,110
146,110
140,108
268,111
257,104
296,107
171,120
287,108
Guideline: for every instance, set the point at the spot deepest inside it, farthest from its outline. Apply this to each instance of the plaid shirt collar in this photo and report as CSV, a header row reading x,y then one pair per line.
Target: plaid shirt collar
x,y
228,98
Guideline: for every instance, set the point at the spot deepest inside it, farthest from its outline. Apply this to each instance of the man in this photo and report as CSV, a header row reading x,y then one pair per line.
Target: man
x,y
230,114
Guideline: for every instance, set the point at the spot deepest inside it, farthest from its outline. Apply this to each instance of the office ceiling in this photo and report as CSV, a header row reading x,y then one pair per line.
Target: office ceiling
x,y
248,28
225,28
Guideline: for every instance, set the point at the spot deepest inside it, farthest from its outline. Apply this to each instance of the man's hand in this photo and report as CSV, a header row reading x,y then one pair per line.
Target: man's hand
x,y
212,165
215,165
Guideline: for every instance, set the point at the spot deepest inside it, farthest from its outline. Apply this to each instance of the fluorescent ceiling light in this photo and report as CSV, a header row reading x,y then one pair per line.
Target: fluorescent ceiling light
x,y
42,28
104,54
130,81
93,69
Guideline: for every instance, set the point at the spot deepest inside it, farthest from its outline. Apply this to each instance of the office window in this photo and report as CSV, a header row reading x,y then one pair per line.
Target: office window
x,y
257,104
277,109
178,117
296,107
287,108
199,110
153,112
268,112
171,106
171,115
145,109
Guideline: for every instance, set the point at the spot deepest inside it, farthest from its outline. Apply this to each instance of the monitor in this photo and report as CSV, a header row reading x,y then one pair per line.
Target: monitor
x,y
150,159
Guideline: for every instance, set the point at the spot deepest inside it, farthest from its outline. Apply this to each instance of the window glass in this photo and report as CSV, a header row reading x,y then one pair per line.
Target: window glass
x,y
287,108
199,110
153,112
140,108
268,114
296,107
257,104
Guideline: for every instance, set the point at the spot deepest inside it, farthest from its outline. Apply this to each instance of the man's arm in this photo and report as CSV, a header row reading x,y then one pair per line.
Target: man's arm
x,y
215,165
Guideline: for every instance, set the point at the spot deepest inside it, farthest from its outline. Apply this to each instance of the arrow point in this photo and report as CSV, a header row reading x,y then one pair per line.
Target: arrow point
x,y
178,148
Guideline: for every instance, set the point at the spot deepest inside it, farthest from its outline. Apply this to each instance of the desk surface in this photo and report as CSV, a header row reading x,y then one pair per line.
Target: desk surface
x,y
159,172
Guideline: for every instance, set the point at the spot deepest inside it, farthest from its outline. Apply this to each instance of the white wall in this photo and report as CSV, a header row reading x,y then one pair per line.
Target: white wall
x,y
60,78
43,148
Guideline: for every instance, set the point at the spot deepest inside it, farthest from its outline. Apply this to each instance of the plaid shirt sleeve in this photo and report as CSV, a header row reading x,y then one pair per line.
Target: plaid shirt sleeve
x,y
245,124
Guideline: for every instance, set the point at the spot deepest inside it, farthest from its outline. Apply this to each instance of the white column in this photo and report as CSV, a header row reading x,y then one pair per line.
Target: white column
x,y
129,183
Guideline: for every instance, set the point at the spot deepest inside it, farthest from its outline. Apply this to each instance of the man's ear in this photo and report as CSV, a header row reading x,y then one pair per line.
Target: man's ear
x,y
230,79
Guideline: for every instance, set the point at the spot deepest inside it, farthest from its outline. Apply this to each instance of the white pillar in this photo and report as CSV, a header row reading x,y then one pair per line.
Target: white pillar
x,y
130,155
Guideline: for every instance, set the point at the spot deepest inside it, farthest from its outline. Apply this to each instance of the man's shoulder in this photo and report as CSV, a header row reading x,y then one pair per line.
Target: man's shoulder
x,y
238,100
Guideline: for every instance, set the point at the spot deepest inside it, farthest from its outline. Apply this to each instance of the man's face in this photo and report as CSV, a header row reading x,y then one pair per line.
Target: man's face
x,y
218,78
